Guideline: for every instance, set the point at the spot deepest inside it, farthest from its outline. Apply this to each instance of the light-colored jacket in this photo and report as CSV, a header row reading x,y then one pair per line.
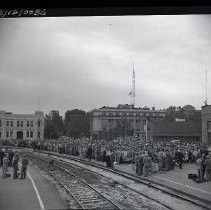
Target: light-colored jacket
x,y
208,163
199,164
5,162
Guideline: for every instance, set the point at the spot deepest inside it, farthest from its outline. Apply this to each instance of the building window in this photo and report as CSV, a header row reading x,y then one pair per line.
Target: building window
x,y
11,134
208,125
0,134
31,123
8,123
38,134
38,123
11,123
31,134
27,123
162,115
27,134
0,123
18,123
7,134
21,123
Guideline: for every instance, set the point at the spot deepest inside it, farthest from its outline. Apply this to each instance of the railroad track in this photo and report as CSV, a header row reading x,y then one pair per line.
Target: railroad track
x,y
196,201
85,196
60,158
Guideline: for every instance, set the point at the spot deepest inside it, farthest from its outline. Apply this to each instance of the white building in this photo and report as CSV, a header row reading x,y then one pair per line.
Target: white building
x,y
21,126
105,120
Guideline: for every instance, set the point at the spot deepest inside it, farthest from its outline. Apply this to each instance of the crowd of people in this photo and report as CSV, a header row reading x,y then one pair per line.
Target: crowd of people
x,y
10,159
146,157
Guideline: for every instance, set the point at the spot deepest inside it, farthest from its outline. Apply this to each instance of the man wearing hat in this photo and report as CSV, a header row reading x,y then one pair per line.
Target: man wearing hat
x,y
208,167
24,167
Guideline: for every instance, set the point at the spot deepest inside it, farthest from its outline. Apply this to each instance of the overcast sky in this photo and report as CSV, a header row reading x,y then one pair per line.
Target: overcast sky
x,y
86,62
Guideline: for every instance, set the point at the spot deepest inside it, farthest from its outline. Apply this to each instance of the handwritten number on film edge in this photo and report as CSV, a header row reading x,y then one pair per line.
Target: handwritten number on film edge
x,y
23,13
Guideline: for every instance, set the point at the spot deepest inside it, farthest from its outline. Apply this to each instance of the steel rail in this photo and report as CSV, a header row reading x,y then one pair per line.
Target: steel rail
x,y
60,183
84,182
129,176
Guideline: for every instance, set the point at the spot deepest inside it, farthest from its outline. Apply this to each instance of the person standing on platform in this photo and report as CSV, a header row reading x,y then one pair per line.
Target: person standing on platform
x,y
199,167
108,158
1,157
179,157
112,159
24,167
140,163
136,160
15,166
208,167
5,166
203,165
147,165
168,160
11,155
89,153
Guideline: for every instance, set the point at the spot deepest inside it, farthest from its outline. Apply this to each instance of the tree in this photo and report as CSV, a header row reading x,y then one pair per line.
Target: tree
x,y
174,112
77,123
54,125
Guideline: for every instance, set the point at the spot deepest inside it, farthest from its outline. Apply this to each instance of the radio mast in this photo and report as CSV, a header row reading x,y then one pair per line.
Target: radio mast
x,y
205,102
133,86
132,92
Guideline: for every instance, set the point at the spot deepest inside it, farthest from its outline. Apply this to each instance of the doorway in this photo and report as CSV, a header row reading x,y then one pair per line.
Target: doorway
x,y
19,134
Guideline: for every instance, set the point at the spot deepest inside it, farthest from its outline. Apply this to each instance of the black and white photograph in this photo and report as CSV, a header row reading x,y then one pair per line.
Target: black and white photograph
x,y
105,112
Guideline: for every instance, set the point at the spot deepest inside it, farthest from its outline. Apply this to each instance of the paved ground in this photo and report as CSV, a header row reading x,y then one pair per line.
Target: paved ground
x,y
20,194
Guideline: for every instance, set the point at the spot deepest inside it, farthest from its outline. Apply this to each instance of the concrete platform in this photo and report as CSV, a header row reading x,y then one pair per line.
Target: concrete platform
x,y
34,193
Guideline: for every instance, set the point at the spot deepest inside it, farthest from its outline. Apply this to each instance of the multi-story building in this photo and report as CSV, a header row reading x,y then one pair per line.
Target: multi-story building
x,y
106,121
206,124
21,126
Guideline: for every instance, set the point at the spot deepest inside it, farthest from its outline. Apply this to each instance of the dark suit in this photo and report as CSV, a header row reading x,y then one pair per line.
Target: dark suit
x,y
179,158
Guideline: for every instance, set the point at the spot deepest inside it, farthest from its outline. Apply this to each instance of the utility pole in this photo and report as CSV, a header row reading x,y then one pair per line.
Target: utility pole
x,y
146,129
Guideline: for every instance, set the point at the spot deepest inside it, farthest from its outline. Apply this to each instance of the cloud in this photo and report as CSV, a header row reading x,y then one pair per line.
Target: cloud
x,y
86,62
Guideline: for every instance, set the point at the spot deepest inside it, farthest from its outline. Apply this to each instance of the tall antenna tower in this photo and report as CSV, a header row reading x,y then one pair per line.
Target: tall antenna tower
x,y
38,104
132,93
205,102
133,86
